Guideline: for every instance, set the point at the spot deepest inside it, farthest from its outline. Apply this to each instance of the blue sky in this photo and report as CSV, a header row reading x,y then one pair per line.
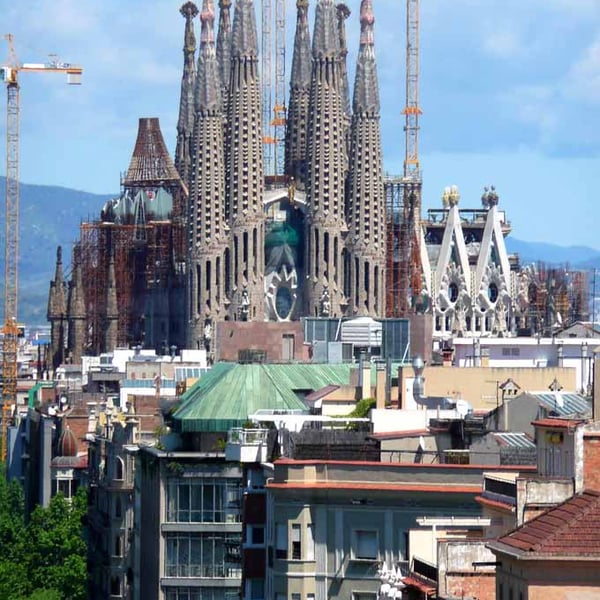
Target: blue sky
x,y
510,91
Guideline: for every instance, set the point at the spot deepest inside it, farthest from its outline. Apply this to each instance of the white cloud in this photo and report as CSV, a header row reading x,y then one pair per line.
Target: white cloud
x,y
502,43
583,81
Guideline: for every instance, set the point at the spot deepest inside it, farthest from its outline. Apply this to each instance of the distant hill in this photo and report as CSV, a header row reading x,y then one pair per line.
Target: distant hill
x,y
577,257
49,216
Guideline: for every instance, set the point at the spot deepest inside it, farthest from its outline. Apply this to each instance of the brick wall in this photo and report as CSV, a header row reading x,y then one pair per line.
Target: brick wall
x,y
233,336
473,585
591,460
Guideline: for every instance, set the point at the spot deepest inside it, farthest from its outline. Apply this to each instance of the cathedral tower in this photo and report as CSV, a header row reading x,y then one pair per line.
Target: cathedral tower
x,y
57,313
185,124
224,49
366,200
295,135
76,310
245,173
208,254
112,308
326,225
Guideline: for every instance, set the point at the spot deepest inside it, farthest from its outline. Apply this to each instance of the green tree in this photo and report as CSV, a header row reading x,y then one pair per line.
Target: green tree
x,y
55,549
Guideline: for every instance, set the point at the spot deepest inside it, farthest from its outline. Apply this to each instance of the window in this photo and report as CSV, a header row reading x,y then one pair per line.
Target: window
x,y
118,508
281,540
207,554
203,501
296,542
119,468
365,546
364,596
203,593
115,586
255,535
255,589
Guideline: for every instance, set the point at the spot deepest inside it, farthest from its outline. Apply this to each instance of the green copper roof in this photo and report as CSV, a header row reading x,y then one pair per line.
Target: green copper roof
x,y
224,397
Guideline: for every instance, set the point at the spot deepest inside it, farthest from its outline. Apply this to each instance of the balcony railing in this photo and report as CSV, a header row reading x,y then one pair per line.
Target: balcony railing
x,y
247,437
246,445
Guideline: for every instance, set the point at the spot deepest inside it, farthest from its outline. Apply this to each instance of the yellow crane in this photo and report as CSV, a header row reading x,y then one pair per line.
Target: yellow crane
x,y
9,74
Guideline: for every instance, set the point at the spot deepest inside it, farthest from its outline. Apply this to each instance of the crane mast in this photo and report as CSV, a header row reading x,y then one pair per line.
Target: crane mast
x,y
410,230
9,73
273,86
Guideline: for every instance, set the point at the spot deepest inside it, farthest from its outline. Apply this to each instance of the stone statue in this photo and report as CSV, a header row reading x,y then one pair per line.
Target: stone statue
x,y
207,334
325,303
245,308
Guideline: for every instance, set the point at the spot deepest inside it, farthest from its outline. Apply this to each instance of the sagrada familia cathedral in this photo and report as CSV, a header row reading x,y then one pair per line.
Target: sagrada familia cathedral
x,y
315,247
252,250
209,236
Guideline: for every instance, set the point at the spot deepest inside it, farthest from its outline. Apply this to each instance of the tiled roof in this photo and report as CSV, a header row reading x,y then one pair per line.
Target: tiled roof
x,y
572,529
558,423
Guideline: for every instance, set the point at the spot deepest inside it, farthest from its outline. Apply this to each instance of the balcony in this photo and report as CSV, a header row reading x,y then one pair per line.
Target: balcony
x,y
246,445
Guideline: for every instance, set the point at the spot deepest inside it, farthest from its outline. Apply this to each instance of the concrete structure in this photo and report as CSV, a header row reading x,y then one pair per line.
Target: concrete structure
x,y
481,386
332,524
530,352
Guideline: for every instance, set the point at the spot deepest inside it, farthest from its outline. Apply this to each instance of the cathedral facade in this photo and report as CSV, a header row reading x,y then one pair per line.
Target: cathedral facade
x,y
260,249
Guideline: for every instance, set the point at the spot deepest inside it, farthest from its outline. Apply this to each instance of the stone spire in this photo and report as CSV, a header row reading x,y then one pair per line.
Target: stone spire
x,y
57,313
325,178
185,124
366,199
343,12
224,48
112,308
244,175
295,138
207,227
76,310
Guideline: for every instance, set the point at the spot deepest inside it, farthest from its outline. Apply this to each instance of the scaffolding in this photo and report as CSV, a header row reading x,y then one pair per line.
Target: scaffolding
x,y
273,87
558,298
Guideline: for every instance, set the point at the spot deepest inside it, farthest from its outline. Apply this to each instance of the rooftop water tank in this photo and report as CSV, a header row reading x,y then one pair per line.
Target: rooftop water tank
x,y
363,332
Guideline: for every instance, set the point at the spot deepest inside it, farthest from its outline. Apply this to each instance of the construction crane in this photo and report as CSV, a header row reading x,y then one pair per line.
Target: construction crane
x,y
273,87
410,231
9,73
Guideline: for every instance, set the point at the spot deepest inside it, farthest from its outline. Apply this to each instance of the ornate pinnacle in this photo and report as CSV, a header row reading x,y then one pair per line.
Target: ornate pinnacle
x,y
189,11
367,19
207,19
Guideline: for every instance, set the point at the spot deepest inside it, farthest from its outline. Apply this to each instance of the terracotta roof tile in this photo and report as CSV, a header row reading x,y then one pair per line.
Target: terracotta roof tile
x,y
558,423
495,503
570,529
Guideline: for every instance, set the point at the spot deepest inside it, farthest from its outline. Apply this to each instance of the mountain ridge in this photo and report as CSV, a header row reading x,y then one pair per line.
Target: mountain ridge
x,y
51,215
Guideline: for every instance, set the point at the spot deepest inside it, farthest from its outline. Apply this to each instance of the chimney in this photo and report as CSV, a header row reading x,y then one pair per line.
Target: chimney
x,y
380,389
560,354
485,357
365,380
